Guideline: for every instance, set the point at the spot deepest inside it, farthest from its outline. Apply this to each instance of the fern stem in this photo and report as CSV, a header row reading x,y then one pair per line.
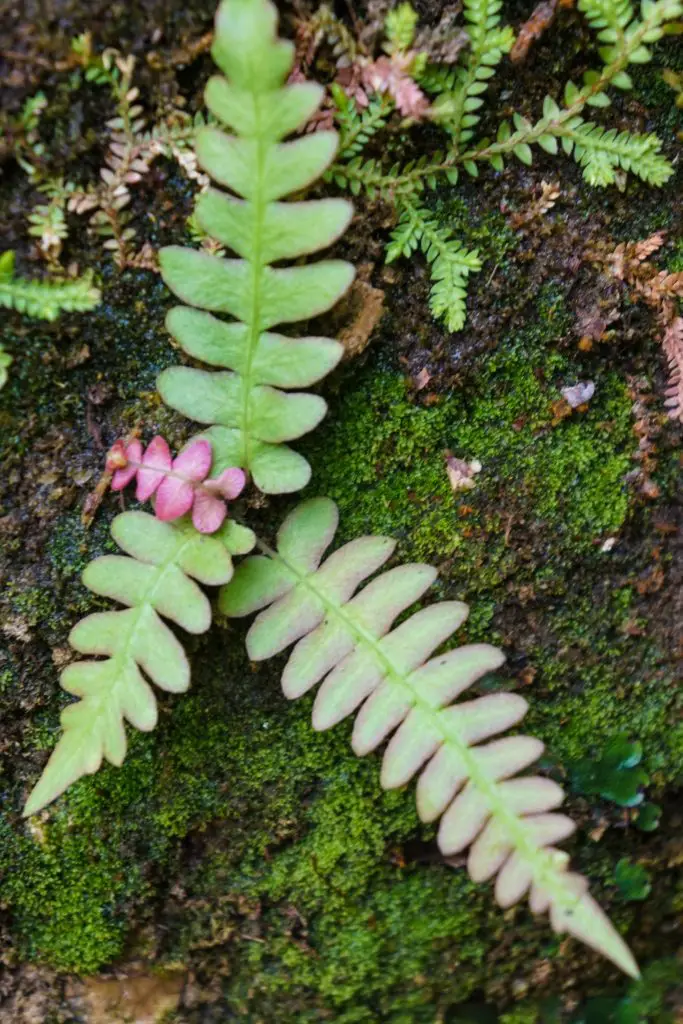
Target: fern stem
x,y
544,867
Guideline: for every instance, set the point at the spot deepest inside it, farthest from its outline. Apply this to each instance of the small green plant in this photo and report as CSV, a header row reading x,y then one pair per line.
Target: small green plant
x,y
458,95
616,775
45,299
344,637
633,881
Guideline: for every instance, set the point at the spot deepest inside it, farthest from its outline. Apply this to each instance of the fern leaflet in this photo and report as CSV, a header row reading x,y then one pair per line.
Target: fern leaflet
x,y
154,581
347,642
249,408
458,108
450,263
45,299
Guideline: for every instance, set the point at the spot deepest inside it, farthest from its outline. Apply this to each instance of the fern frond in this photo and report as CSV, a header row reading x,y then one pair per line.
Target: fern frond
x,y
348,643
457,109
357,127
45,299
617,26
450,262
155,581
672,343
601,151
250,412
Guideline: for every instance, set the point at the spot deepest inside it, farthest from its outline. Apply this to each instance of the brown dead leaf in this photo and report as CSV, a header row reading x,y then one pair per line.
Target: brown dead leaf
x,y
533,28
367,306
422,379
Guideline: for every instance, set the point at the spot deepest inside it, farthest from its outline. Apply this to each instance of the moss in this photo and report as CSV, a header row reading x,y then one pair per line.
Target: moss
x,y
562,477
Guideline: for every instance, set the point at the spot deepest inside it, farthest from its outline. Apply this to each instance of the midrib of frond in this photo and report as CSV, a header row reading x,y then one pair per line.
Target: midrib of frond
x,y
258,206
540,861
100,703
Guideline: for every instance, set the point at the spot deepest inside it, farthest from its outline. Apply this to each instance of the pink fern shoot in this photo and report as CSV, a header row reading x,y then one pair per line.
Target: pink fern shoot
x,y
180,485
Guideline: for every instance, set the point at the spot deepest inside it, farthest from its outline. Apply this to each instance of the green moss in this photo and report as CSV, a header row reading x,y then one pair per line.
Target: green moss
x,y
563,478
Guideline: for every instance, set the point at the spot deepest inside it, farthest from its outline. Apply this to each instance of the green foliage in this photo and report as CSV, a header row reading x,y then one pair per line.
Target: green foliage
x,y
45,299
450,263
647,818
646,1002
399,27
616,775
356,128
345,642
249,408
632,880
457,107
604,154
154,581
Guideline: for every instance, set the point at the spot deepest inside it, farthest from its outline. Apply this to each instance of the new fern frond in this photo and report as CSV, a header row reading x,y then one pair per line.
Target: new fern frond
x,y
156,580
345,641
457,108
48,298
250,404
450,262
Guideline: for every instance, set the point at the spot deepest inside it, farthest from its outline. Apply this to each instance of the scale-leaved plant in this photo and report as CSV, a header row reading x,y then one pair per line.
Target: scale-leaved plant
x,y
459,94
345,638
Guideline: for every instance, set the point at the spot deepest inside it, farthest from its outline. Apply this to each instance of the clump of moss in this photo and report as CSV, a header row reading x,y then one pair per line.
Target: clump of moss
x,y
559,477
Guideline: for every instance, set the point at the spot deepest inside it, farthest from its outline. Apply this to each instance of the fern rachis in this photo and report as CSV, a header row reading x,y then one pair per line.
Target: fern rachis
x,y
251,408
346,644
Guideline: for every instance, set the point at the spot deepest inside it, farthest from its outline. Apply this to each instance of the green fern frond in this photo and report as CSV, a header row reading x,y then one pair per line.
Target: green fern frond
x,y
600,152
450,262
248,407
154,581
457,109
45,299
357,127
612,15
399,27
347,644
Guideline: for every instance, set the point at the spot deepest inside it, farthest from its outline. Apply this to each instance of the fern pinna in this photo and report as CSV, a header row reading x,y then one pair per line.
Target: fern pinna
x,y
248,405
157,579
347,644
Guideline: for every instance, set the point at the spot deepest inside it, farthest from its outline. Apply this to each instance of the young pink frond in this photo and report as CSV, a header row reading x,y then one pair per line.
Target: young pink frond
x,y
124,460
194,462
229,484
156,462
174,498
208,512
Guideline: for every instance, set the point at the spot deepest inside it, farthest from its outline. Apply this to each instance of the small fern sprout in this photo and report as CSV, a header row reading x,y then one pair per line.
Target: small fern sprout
x,y
403,693
179,484
251,404
166,556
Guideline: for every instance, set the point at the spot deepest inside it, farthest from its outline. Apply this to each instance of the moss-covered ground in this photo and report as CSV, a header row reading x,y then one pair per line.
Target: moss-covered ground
x,y
237,843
